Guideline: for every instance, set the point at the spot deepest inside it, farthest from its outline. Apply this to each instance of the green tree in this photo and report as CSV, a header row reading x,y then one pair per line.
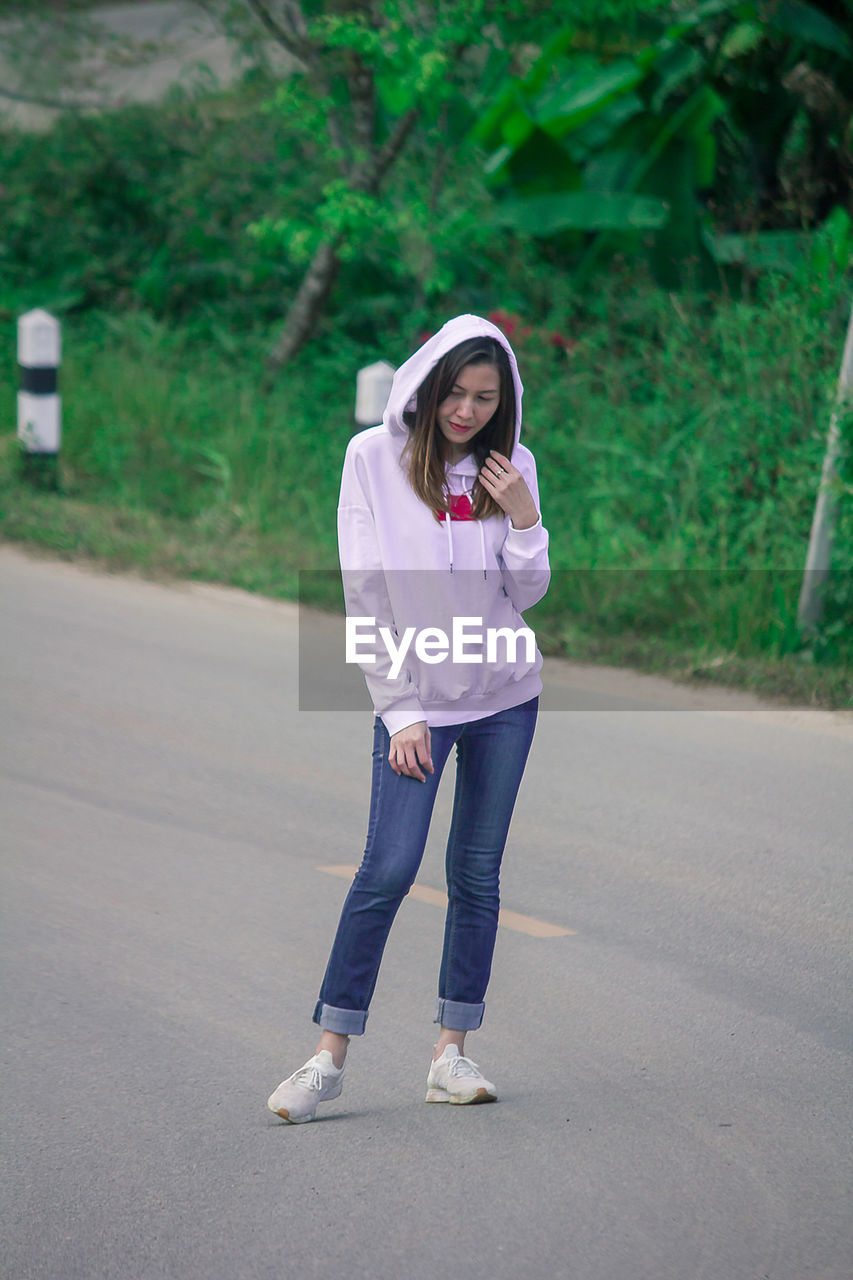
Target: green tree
x,y
368,73
728,116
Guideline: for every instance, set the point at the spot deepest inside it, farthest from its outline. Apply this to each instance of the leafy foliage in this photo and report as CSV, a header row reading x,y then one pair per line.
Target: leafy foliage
x,y
153,209
678,449
677,434
368,73
730,120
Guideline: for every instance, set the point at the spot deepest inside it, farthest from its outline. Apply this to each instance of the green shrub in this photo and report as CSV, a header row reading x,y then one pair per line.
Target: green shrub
x,y
143,207
679,439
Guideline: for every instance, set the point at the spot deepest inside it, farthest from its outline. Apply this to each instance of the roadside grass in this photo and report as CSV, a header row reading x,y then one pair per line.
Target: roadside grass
x,y
678,446
125,538
128,539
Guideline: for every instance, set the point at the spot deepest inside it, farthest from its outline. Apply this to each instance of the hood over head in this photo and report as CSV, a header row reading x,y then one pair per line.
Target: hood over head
x,y
410,375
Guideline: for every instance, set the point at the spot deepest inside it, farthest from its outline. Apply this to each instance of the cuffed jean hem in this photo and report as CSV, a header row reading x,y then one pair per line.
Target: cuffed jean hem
x,y
457,1016
344,1022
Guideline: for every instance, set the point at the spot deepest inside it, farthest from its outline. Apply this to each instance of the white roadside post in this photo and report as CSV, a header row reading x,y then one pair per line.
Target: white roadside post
x,y
372,389
38,397
819,556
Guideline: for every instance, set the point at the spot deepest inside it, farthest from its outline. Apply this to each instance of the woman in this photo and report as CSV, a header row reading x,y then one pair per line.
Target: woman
x,y
440,540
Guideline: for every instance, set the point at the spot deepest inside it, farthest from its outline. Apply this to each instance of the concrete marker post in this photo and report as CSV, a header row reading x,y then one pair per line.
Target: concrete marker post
x,y
372,389
39,431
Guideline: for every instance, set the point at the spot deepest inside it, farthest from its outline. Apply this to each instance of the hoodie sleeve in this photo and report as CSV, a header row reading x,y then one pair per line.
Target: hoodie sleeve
x,y
524,556
395,700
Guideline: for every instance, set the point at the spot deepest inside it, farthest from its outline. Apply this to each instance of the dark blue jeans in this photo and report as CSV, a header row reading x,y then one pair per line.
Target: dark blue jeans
x,y
490,759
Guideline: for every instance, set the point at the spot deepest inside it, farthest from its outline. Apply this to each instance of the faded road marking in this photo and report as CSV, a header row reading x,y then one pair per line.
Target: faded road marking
x,y
507,919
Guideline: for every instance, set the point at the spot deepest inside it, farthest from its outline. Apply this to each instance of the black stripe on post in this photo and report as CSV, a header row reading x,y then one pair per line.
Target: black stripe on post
x,y
39,382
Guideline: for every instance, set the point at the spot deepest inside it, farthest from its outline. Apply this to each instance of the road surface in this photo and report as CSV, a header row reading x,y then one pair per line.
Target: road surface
x,y
673,1057
147,49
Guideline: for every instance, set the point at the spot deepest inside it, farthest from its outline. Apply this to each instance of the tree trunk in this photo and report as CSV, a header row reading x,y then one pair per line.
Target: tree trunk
x,y
305,308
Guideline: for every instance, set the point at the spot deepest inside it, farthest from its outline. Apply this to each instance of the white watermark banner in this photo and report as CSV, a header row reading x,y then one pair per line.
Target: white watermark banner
x,y
469,642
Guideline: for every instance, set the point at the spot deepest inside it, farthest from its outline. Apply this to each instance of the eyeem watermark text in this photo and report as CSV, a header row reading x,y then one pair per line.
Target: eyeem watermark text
x,y
433,645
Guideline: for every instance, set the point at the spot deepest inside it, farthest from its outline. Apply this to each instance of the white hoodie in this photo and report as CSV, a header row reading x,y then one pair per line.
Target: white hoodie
x,y
406,569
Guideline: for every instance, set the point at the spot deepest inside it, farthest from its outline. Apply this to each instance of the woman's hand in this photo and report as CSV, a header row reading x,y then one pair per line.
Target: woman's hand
x,y
509,489
410,752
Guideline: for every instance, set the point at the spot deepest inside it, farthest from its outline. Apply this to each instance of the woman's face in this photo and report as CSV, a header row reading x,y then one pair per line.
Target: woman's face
x,y
470,406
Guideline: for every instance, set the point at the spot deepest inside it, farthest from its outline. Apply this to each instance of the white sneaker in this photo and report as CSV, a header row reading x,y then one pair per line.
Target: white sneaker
x,y
296,1098
453,1078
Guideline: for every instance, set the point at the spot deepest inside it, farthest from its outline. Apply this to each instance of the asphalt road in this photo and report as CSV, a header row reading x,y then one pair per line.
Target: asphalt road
x,y
674,1072
148,48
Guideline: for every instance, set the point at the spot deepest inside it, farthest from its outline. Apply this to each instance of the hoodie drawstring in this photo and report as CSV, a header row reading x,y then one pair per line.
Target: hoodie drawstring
x,y
447,524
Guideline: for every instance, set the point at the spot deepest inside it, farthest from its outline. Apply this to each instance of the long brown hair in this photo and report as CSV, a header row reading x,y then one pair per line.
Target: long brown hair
x,y
426,445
